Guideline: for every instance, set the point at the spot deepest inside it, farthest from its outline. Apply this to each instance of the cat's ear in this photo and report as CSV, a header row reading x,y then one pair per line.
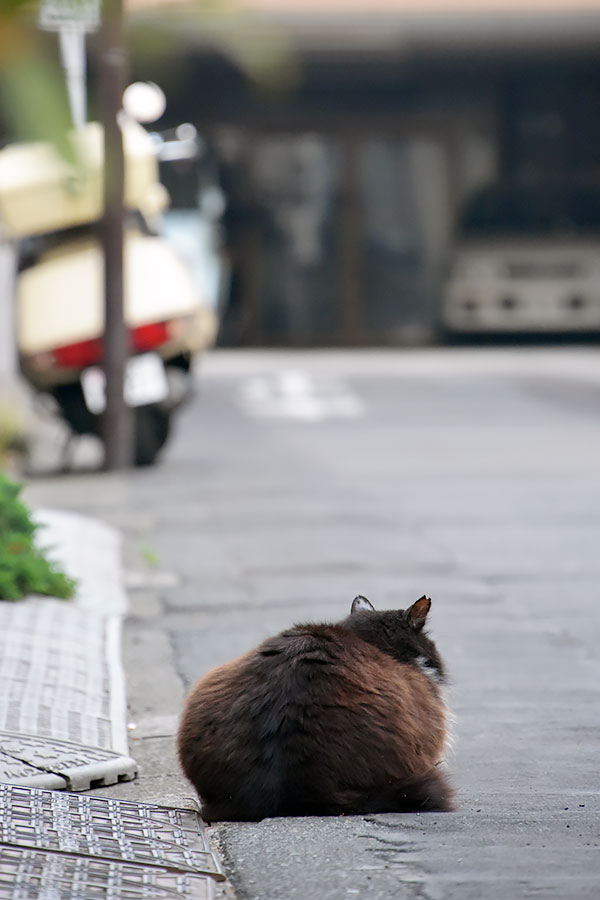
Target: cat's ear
x,y
417,613
361,603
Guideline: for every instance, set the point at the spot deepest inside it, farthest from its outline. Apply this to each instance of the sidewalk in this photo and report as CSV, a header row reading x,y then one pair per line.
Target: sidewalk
x,y
154,689
63,726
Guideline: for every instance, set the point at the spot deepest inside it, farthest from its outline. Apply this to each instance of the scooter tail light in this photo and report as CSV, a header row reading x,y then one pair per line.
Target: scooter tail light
x,y
79,355
89,353
147,337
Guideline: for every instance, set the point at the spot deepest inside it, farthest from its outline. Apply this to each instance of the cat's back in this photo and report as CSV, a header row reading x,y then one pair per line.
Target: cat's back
x,y
304,653
285,684
311,652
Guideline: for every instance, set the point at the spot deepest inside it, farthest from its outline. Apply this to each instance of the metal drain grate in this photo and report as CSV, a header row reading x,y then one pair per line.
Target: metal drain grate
x,y
34,875
62,846
95,826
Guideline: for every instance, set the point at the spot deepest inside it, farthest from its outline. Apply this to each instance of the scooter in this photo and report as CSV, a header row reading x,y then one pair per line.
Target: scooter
x,y
60,308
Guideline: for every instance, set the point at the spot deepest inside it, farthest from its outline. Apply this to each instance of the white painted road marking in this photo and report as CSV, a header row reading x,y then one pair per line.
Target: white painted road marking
x,y
294,394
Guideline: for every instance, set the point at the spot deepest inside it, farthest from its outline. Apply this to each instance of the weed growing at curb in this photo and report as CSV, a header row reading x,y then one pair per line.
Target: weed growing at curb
x,y
24,569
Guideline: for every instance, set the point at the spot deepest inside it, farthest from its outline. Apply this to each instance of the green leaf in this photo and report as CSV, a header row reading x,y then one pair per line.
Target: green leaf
x,y
24,568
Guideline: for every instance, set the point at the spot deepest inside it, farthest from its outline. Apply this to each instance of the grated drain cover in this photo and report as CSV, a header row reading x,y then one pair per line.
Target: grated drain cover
x,y
62,846
33,875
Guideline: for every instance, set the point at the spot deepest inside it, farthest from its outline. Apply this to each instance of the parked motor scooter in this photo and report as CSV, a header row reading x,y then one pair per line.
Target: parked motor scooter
x,y
60,305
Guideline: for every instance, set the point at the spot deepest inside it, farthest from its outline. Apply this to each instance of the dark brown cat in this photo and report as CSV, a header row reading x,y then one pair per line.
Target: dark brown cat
x,y
322,720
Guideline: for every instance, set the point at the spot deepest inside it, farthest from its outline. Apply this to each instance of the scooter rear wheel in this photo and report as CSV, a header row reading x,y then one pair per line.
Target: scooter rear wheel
x,y
152,426
152,423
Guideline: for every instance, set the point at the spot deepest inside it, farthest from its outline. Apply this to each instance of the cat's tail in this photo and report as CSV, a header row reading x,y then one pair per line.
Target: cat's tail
x,y
430,792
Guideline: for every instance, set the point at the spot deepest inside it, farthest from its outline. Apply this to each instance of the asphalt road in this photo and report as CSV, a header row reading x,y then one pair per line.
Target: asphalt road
x,y
294,482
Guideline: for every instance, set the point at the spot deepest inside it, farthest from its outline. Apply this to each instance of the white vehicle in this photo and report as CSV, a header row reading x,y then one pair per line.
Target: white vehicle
x,y
527,259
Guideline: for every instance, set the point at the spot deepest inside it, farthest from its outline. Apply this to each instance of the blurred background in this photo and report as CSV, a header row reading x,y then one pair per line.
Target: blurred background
x,y
375,158
337,174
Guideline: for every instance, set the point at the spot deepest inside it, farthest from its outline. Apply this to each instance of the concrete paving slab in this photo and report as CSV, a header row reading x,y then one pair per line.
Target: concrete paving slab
x,y
16,770
62,690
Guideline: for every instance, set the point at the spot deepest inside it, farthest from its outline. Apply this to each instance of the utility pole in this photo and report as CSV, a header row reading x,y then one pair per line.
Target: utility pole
x,y
72,19
117,423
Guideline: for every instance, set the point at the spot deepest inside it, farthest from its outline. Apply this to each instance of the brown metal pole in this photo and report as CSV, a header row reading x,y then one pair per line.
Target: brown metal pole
x,y
249,249
351,288
117,424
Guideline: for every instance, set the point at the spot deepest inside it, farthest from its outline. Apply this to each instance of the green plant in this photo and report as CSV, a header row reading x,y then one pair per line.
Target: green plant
x,y
149,555
24,568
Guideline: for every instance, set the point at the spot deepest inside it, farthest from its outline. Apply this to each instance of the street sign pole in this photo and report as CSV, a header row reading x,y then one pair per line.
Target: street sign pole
x,y
72,51
117,424
72,20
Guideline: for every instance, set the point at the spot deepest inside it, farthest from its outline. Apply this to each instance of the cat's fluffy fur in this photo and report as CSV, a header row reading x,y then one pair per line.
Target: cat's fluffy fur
x,y
322,720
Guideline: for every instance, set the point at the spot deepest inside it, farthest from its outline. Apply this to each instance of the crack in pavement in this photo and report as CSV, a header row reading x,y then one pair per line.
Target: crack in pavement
x,y
40,768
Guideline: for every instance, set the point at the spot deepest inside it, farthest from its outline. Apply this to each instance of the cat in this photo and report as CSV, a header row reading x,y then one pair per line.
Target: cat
x,y
322,720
